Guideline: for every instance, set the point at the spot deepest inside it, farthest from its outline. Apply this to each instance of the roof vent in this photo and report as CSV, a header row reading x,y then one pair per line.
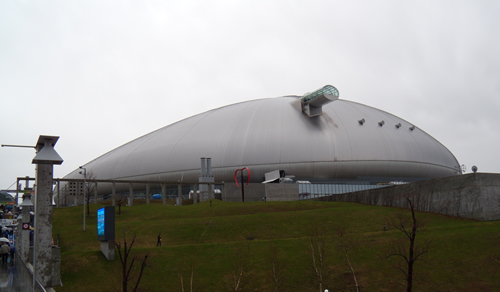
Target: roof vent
x,y
312,102
412,128
361,122
381,123
398,125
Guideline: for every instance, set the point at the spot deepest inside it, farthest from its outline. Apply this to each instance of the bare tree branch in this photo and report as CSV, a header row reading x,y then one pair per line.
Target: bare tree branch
x,y
143,265
120,201
240,265
277,268
192,272
318,250
126,272
89,189
345,244
181,272
412,252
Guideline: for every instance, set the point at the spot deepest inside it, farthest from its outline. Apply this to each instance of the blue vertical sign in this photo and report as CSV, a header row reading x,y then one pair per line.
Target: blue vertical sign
x,y
100,222
106,223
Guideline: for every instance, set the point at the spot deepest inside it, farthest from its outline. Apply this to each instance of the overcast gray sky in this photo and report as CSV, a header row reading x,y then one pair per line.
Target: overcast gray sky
x,y
101,73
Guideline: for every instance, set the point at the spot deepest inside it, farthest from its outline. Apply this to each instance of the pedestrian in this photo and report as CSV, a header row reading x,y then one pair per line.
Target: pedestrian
x,y
385,228
159,240
12,255
5,250
1,252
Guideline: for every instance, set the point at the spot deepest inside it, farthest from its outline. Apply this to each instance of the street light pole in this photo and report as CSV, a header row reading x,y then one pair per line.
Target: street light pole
x,y
84,192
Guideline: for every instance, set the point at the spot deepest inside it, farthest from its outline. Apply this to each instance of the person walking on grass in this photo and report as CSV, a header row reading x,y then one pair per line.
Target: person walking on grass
x,y
159,240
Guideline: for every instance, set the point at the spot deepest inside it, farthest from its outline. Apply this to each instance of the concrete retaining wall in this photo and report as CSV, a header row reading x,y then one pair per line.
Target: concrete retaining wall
x,y
282,192
257,192
474,196
253,192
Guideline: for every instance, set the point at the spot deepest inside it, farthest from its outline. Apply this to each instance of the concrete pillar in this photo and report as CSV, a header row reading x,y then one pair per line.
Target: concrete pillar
x,y
58,194
95,193
65,198
164,193
81,191
25,236
108,249
43,224
77,193
195,194
113,195
222,190
209,192
17,195
56,266
131,195
147,193
179,194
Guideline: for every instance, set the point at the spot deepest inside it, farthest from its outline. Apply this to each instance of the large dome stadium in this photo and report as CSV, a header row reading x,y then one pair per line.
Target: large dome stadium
x,y
344,140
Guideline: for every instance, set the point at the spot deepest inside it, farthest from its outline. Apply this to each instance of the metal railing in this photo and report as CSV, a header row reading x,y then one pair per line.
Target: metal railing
x,y
23,277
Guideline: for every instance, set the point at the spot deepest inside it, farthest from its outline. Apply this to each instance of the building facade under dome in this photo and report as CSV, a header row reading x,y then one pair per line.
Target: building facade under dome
x,y
323,140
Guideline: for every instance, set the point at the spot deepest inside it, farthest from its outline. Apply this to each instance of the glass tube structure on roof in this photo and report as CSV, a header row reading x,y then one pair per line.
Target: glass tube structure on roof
x,y
325,90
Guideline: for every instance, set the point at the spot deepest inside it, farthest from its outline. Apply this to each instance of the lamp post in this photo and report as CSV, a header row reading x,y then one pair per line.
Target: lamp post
x,y
84,192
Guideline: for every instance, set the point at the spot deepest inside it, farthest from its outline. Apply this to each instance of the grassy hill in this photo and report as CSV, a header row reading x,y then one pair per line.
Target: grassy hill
x,y
215,237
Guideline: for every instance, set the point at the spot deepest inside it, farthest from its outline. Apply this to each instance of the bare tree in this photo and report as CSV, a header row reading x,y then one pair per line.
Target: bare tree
x,y
62,197
345,245
120,201
318,248
495,259
89,188
126,268
277,268
407,249
191,280
240,265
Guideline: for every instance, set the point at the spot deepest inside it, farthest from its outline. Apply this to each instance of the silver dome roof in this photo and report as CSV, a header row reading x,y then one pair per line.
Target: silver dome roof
x,y
347,140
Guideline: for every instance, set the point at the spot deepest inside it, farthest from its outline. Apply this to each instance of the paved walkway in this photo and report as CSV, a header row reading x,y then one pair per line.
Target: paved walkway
x,y
7,277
